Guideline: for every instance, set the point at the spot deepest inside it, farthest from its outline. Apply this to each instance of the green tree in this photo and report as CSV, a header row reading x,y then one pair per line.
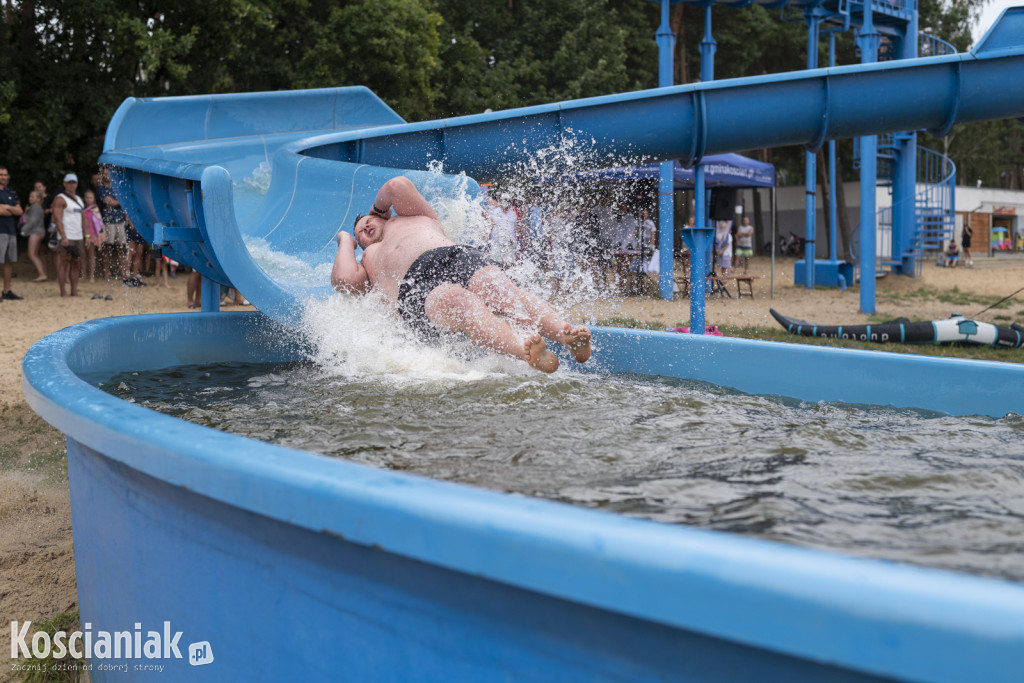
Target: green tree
x,y
391,46
500,55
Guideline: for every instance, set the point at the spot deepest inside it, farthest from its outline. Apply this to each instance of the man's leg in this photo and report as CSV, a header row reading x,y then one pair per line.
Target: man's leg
x,y
503,296
62,271
454,309
74,269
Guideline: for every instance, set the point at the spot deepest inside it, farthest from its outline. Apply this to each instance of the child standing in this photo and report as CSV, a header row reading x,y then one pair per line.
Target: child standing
x,y
94,232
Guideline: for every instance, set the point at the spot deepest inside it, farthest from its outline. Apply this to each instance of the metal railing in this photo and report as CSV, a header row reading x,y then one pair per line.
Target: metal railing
x,y
933,46
934,214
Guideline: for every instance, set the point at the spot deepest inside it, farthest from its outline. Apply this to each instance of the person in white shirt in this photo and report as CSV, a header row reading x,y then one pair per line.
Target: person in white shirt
x,y
67,216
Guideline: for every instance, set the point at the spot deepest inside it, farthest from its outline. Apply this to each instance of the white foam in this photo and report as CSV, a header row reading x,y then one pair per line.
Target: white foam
x,y
358,336
258,182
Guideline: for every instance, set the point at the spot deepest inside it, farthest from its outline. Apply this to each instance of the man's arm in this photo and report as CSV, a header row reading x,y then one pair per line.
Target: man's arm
x,y
58,218
402,196
348,275
109,199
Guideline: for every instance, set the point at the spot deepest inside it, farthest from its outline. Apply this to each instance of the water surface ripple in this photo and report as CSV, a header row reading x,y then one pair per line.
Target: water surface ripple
x,y
898,484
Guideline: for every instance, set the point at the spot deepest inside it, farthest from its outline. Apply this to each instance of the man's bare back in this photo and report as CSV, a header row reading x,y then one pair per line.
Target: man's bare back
x,y
439,286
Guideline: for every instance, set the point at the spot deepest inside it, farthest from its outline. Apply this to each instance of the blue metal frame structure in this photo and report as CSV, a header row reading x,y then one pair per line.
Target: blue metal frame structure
x,y
915,220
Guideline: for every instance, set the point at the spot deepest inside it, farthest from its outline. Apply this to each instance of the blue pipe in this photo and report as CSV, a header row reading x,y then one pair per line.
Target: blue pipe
x,y
666,180
810,161
833,214
868,39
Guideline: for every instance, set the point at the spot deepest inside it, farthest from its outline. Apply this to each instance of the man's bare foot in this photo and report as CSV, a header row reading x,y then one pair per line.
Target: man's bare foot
x,y
577,340
537,354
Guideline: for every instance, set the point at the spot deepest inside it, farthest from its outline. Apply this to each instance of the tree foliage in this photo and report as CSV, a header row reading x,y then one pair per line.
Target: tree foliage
x,y
66,65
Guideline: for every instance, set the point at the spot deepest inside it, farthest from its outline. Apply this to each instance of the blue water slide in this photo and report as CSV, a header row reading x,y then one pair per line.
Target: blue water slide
x,y
221,178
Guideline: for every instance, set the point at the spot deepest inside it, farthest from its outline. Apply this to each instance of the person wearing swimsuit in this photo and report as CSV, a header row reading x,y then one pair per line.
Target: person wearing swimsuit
x,y
439,286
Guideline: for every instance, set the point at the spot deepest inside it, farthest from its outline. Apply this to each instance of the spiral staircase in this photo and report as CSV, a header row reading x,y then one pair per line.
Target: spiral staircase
x,y
934,195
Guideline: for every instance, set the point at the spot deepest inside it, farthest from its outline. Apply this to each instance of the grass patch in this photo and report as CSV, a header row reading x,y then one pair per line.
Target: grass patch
x,y
28,443
50,669
952,296
632,323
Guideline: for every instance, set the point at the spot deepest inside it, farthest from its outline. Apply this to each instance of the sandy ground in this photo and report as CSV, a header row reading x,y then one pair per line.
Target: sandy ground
x,y
937,294
36,554
37,577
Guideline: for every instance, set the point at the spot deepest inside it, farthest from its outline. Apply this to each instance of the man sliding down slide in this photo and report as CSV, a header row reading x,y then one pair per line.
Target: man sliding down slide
x,y
437,285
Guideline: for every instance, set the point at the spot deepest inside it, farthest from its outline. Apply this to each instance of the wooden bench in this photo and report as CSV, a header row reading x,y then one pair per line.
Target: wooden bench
x,y
740,280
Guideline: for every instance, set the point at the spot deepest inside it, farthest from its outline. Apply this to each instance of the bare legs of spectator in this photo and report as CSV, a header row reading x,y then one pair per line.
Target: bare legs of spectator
x,y
90,260
67,273
161,272
35,242
193,289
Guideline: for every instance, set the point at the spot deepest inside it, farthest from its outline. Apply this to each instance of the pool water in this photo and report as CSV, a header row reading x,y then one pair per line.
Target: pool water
x,y
898,484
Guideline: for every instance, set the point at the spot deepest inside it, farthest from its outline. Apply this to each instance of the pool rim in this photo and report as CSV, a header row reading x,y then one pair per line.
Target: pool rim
x,y
836,608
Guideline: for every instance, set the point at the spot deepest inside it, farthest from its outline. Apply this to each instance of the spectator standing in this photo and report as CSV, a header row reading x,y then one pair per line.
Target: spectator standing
x,y
115,246
648,232
35,231
67,216
965,240
94,232
745,243
723,246
136,246
10,210
502,241
626,237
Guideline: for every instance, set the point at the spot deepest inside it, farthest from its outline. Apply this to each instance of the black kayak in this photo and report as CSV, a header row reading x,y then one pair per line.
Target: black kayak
x,y
955,329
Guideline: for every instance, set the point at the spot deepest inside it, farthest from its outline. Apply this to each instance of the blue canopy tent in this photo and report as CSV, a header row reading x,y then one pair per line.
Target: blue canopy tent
x,y
721,170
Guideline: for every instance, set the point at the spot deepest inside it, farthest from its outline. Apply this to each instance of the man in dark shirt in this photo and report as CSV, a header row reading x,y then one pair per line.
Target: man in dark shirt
x,y
116,248
10,209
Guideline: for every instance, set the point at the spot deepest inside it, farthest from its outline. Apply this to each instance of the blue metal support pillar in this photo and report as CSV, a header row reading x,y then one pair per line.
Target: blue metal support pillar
x,y
702,236
904,180
868,39
698,241
813,19
833,214
666,177
904,189
209,296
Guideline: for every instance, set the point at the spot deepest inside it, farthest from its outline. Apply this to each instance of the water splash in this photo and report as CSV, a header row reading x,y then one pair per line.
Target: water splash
x,y
360,336
556,243
258,182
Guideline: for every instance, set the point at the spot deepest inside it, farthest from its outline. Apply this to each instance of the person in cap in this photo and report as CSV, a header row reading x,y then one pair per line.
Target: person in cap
x,y
67,216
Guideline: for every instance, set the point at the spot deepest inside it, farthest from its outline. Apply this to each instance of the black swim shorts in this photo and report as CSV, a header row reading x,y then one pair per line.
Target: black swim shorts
x,y
455,264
